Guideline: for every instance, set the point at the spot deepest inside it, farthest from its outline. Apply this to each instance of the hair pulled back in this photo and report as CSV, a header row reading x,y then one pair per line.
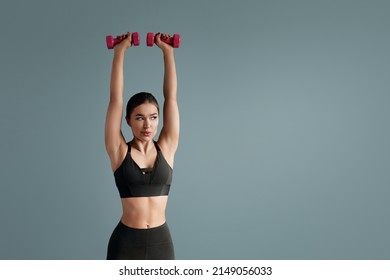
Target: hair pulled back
x,y
139,99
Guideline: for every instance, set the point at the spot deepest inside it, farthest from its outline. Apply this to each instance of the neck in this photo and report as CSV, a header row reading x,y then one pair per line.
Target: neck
x,y
142,146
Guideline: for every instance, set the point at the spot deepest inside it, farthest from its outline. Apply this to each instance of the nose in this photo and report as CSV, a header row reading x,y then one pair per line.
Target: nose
x,y
146,123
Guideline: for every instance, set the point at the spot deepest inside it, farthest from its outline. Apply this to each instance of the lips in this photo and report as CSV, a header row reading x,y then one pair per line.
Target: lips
x,y
147,133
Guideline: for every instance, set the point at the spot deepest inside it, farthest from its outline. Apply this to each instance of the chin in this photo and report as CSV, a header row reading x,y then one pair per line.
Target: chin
x,y
146,138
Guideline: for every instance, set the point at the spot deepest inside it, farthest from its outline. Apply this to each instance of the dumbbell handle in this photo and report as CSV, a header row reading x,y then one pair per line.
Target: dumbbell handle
x,y
116,41
168,40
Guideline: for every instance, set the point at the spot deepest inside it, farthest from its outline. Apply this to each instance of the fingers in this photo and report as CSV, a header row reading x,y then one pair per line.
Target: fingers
x,y
161,42
128,36
125,39
162,36
123,36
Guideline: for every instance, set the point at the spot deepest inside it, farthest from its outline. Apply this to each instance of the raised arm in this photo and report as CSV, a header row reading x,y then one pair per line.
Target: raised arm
x,y
169,136
113,136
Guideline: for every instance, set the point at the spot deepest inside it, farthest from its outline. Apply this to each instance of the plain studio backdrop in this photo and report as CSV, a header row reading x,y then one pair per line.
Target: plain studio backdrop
x,y
284,150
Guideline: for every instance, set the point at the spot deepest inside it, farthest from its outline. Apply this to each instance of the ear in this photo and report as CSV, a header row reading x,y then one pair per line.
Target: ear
x,y
128,122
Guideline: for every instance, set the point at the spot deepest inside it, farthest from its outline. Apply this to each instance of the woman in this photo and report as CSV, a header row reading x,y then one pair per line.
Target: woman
x,y
142,167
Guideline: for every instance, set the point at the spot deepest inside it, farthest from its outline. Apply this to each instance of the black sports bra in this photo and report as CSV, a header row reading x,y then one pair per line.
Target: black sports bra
x,y
133,181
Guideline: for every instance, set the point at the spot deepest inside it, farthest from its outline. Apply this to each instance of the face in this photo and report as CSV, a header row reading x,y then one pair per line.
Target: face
x,y
144,121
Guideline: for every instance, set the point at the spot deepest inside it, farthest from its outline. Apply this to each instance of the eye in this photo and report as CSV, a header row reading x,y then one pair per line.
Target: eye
x,y
139,118
154,117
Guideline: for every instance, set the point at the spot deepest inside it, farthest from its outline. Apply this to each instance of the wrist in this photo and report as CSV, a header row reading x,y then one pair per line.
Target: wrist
x,y
119,54
168,52
119,51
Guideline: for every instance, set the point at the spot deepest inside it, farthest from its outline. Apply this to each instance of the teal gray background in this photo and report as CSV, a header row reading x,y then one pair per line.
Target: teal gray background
x,y
284,150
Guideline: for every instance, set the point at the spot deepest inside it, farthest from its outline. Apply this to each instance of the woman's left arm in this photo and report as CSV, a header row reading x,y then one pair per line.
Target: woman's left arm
x,y
169,136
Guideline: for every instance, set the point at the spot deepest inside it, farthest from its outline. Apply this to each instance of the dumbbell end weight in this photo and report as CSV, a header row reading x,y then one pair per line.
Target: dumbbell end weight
x,y
150,39
135,38
109,42
176,40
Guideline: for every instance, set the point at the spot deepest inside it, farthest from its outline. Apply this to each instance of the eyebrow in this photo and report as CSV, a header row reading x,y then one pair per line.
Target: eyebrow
x,y
141,115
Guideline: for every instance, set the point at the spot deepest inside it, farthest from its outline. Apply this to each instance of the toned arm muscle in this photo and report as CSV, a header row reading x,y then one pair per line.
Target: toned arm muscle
x,y
113,136
169,136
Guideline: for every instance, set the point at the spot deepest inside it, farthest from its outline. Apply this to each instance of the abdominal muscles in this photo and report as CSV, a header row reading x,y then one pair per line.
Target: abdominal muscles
x,y
144,212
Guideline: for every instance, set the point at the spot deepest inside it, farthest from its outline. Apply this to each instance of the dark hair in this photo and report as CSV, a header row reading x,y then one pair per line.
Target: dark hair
x,y
138,99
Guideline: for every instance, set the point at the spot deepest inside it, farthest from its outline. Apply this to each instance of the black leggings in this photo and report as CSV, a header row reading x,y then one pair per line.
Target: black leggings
x,y
128,243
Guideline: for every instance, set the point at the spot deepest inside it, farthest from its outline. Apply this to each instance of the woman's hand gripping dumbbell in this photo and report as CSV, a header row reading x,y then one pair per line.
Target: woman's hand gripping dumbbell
x,y
174,40
111,42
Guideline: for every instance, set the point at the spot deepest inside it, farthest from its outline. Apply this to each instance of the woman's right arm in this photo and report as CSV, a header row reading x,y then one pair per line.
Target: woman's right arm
x,y
113,136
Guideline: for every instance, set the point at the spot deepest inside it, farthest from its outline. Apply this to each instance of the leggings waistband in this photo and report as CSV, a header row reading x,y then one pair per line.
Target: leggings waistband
x,y
146,236
143,229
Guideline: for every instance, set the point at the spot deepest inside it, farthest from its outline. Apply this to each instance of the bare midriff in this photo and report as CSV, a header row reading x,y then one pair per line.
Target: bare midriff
x,y
144,212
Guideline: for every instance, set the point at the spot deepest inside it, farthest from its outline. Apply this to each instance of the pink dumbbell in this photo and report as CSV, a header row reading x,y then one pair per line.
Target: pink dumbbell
x,y
173,41
111,42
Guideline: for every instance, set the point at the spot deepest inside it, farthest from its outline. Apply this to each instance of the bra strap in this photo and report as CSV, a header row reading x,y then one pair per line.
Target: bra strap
x,y
156,145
